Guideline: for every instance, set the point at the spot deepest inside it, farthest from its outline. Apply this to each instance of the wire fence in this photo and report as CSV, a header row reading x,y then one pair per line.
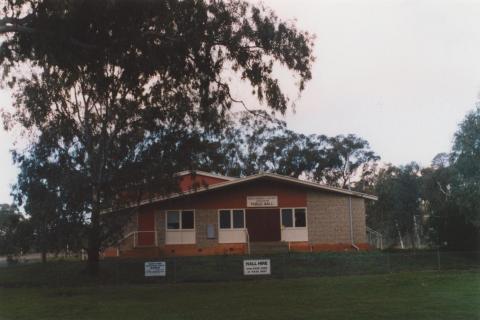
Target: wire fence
x,y
231,268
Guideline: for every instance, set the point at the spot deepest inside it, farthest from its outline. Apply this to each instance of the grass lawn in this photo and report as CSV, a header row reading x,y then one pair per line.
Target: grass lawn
x,y
414,295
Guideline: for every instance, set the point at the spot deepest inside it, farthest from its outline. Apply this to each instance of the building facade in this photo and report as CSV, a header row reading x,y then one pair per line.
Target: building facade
x,y
222,215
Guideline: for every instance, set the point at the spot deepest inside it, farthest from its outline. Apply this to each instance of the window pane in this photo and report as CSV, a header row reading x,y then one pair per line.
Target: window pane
x,y
238,221
187,220
173,220
287,221
300,218
225,219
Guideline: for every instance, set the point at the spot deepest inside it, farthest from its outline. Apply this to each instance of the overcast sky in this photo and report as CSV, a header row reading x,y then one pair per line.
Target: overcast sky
x,y
401,74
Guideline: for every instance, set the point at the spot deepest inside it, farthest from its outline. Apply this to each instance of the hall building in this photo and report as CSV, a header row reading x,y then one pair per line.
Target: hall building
x,y
262,213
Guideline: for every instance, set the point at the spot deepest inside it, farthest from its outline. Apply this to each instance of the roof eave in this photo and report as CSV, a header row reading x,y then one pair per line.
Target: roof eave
x,y
254,177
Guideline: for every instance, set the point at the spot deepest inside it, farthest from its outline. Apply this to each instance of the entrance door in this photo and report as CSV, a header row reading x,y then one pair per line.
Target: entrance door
x,y
146,226
263,225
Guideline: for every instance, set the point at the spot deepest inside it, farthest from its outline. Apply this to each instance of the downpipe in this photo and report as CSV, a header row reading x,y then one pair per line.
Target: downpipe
x,y
351,223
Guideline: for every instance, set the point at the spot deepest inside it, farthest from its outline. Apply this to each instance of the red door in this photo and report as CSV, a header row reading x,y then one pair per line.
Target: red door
x,y
146,228
263,225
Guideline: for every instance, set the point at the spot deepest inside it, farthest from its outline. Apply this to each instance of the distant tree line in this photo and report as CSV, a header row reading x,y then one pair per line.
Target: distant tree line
x,y
417,207
438,205
256,141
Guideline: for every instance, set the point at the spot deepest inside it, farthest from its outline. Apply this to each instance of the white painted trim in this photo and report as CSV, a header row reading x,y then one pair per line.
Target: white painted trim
x,y
293,217
181,231
180,220
220,185
231,219
294,234
232,235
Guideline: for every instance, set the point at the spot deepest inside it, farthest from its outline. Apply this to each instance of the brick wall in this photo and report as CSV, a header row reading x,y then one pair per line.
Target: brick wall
x,y
202,219
329,219
160,226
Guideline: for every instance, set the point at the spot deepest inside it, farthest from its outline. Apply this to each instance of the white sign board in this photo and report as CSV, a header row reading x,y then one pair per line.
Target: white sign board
x,y
262,201
155,269
256,267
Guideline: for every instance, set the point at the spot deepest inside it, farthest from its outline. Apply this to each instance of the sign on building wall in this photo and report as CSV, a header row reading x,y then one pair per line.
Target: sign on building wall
x,y
155,269
262,201
256,267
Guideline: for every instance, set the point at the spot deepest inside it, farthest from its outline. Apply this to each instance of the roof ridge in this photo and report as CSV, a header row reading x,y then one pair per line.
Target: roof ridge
x,y
204,173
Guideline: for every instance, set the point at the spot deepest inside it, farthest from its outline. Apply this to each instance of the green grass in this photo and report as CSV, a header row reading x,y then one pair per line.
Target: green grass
x,y
229,268
406,295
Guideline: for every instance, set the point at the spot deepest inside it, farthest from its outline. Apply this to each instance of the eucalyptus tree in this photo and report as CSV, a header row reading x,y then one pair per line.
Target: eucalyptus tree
x,y
116,95
465,159
15,232
342,158
397,213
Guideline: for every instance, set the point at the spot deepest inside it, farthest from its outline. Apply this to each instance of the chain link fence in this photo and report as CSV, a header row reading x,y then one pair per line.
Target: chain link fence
x,y
230,268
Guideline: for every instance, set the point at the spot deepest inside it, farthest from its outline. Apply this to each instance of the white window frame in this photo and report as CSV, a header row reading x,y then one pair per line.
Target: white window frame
x,y
293,218
231,219
180,229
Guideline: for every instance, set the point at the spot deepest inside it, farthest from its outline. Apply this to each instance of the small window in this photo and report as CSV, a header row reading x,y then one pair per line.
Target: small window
x,y
287,220
177,219
225,219
232,219
294,218
238,219
187,219
300,218
173,220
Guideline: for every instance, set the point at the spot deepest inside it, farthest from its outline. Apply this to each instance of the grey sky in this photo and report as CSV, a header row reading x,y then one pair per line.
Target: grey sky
x,y
401,74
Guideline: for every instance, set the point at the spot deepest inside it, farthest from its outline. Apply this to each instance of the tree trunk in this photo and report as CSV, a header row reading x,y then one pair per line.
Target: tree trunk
x,y
43,243
93,250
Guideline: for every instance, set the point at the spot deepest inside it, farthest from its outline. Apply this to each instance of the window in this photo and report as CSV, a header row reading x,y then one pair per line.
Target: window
x,y
238,219
232,219
287,220
173,220
300,218
187,219
294,218
177,220
225,222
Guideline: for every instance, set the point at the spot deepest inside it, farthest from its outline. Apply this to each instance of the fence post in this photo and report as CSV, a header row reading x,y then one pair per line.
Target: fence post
x,y
388,263
174,269
438,258
117,277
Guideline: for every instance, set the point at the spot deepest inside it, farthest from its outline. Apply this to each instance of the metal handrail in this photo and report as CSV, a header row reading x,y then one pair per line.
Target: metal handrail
x,y
135,235
247,235
376,233
373,231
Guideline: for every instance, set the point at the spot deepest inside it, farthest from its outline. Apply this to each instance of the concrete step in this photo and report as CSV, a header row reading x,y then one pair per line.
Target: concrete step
x,y
261,248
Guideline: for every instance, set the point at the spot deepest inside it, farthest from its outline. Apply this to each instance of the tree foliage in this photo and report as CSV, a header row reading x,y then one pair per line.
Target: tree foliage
x,y
445,195
444,219
397,212
254,142
15,232
118,95
465,159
